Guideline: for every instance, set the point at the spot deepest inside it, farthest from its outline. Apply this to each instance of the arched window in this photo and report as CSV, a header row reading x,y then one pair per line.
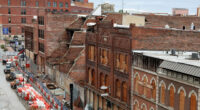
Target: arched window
x,y
93,77
145,86
124,91
118,89
136,106
107,83
144,107
136,83
102,80
193,102
171,95
162,94
153,84
151,108
181,100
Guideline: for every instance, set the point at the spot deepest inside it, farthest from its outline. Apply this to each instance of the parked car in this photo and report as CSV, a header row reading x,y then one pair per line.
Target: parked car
x,y
4,62
7,70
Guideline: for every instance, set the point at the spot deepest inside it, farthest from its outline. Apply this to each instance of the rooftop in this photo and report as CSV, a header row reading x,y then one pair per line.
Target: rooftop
x,y
180,62
183,57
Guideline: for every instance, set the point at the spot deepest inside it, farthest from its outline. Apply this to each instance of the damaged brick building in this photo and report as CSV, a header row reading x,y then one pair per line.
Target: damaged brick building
x,y
91,53
108,64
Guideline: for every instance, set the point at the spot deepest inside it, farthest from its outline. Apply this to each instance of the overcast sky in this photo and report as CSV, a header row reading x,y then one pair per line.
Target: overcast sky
x,y
153,5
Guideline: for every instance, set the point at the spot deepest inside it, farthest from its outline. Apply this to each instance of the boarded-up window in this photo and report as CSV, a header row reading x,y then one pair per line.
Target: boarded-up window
x,y
100,102
121,62
104,104
91,53
144,107
126,64
104,56
117,61
124,91
171,95
136,83
102,79
181,100
145,86
101,56
115,107
118,89
90,75
107,83
153,84
136,106
93,77
162,94
95,102
193,102
122,58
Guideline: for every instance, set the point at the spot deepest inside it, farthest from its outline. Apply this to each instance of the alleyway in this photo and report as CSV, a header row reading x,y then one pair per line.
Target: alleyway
x,y
8,98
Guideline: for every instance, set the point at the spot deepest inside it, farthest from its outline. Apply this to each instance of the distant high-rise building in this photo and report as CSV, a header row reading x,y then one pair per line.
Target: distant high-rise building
x,y
180,11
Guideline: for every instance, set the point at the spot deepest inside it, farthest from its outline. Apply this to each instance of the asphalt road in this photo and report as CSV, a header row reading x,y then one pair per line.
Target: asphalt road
x,y
8,97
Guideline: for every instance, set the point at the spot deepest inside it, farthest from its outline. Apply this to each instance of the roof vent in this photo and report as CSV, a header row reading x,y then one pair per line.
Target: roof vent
x,y
195,56
173,52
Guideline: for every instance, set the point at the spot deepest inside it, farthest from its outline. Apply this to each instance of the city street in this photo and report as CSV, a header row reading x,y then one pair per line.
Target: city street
x,y
8,97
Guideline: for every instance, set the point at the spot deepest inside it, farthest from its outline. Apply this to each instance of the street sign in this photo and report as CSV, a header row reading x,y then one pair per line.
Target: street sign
x,y
5,31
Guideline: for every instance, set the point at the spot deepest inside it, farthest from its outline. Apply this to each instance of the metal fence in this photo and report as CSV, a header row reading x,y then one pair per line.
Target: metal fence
x,y
33,66
46,91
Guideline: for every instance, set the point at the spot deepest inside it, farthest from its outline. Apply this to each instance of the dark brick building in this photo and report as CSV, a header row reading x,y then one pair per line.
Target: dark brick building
x,y
108,63
16,13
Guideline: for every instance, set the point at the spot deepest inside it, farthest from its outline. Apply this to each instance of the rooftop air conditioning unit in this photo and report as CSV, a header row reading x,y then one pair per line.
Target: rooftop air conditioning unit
x,y
195,56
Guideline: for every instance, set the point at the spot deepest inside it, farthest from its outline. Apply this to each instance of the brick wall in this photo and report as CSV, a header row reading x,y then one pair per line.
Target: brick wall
x,y
55,31
173,21
164,39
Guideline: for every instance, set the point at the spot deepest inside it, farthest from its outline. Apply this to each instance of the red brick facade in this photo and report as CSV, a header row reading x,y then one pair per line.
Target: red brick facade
x,y
157,88
164,39
177,22
15,10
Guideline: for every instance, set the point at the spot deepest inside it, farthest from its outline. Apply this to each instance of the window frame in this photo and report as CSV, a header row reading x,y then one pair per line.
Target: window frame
x,y
54,4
